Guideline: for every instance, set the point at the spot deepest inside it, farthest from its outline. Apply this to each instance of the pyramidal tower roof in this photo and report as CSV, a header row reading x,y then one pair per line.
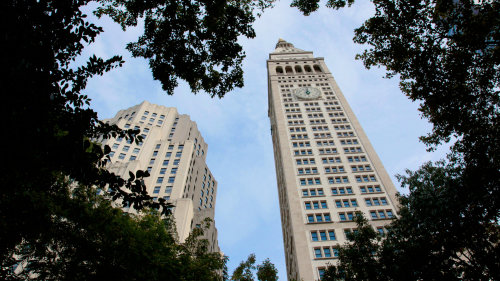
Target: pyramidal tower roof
x,y
284,47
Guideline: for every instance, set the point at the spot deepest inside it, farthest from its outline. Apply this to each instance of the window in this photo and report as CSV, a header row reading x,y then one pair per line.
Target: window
x,y
115,146
132,158
168,154
327,252
314,236
122,156
317,253
176,161
319,218
111,154
178,154
323,235
308,206
126,148
171,179
370,189
321,273
157,189
152,161
165,162
149,169
136,151
173,171
159,180
162,116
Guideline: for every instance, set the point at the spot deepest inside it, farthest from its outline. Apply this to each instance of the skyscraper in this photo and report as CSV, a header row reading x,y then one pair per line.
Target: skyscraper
x,y
174,153
326,167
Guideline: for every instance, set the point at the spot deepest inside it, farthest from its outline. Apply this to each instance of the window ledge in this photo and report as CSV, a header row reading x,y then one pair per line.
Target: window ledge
x,y
346,136
379,219
367,171
318,138
336,172
347,194
313,196
331,153
305,174
326,258
319,222
354,152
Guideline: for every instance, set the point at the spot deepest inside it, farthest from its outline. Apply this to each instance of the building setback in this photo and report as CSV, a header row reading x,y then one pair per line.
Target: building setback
x,y
174,153
326,167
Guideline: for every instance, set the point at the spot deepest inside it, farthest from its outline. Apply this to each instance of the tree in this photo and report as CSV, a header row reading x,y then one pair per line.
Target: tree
x,y
437,235
265,271
88,239
55,127
447,56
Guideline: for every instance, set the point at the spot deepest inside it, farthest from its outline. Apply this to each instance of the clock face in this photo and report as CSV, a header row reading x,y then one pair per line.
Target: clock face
x,y
307,93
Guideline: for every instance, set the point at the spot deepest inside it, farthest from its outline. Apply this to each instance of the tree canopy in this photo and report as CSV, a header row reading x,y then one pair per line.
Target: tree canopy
x,y
446,54
245,270
57,130
89,239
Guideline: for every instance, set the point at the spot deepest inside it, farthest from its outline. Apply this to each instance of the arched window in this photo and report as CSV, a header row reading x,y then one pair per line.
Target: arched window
x,y
289,70
279,69
298,69
307,68
317,68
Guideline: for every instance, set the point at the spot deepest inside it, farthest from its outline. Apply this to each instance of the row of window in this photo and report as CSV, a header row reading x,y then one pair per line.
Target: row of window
x,y
374,214
168,189
332,160
329,234
345,203
335,180
317,136
342,191
161,179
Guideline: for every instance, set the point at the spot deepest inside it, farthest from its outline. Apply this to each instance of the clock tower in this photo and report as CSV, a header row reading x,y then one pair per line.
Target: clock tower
x,y
326,168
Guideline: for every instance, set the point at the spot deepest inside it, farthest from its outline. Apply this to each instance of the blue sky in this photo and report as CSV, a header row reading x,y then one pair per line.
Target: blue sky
x,y
237,128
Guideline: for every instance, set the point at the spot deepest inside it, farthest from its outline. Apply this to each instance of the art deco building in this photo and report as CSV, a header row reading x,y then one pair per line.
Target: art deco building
x,y
326,167
174,153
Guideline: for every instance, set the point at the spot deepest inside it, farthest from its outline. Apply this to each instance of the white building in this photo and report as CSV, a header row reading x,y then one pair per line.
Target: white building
x,y
326,167
174,153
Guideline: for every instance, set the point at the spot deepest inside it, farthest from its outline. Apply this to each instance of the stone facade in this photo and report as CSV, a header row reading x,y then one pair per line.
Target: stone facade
x,y
174,153
326,167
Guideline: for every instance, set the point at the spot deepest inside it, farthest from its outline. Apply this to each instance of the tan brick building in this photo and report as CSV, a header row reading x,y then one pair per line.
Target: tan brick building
x,y
174,153
326,167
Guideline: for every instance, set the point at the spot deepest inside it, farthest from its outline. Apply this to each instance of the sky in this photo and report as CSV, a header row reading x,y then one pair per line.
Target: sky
x,y
237,128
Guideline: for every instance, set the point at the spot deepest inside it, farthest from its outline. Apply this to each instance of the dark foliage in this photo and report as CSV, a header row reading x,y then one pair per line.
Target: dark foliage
x,y
56,131
447,55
